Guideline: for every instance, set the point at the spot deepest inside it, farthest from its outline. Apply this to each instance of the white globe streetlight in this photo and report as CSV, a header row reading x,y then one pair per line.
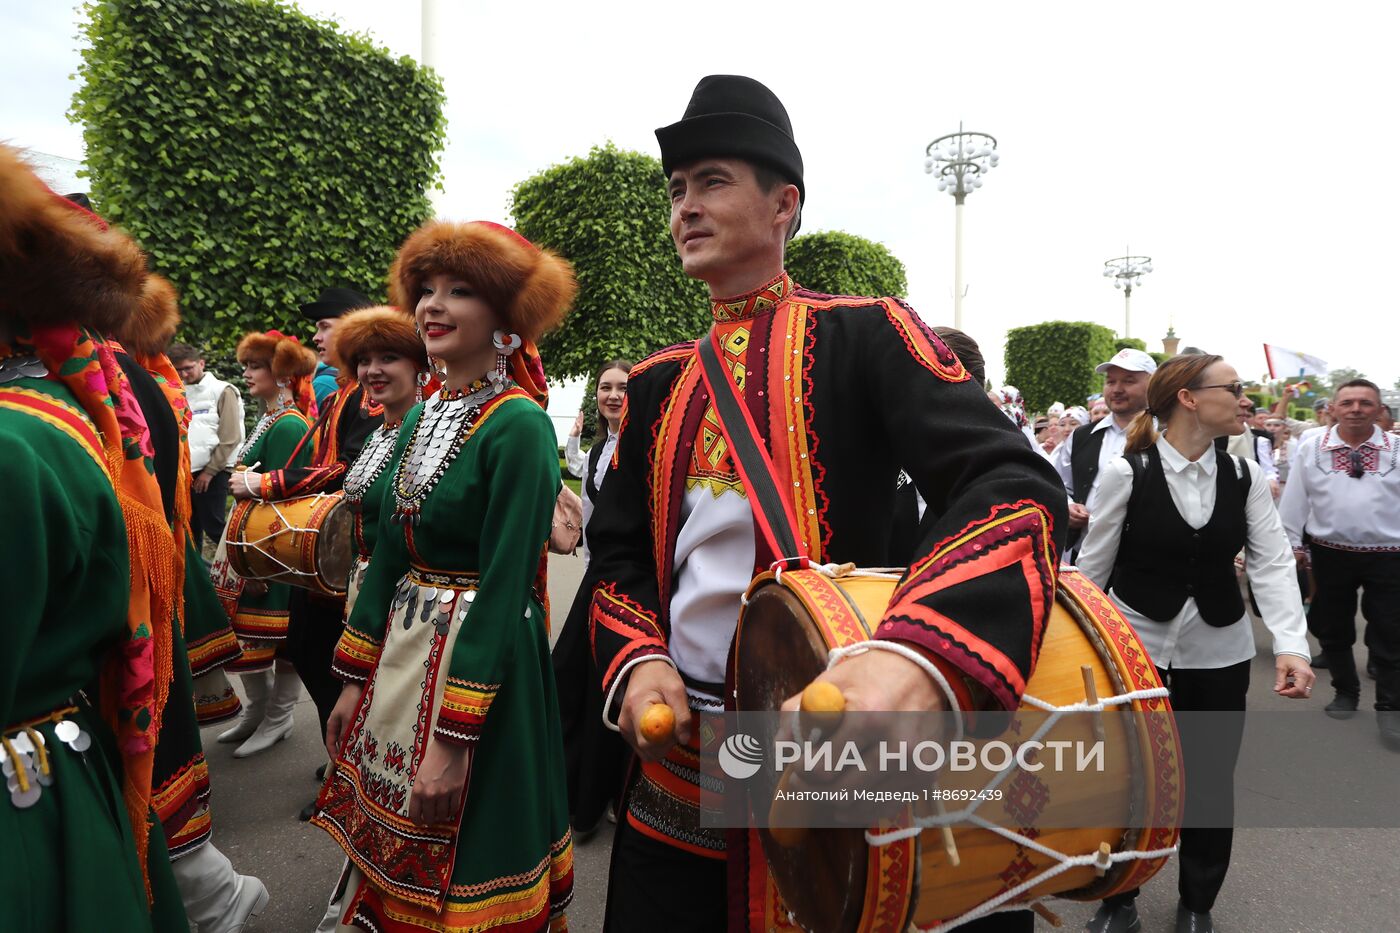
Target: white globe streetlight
x,y
960,161
1126,272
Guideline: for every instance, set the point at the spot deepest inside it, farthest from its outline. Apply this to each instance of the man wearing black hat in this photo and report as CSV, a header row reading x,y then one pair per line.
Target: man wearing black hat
x,y
842,393
326,311
347,418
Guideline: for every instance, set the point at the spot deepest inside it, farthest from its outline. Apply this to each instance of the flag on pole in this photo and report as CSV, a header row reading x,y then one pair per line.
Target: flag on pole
x,y
1285,364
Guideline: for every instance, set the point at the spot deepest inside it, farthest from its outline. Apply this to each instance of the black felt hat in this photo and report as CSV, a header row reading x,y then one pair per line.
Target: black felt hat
x,y
731,115
334,302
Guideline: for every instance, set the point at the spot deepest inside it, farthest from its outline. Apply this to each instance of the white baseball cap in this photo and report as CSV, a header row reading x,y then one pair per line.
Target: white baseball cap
x,y
1135,361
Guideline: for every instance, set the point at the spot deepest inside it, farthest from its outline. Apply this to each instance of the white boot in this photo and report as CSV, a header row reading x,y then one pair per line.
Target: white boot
x,y
330,921
276,723
217,899
255,688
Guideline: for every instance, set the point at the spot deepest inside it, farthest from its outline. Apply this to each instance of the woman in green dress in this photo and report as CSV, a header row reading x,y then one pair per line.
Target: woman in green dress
x,y
447,793
84,648
277,370
382,348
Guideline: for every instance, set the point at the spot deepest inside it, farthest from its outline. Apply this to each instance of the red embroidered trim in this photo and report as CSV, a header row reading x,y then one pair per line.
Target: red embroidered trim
x,y
923,344
1018,533
623,619
355,656
462,715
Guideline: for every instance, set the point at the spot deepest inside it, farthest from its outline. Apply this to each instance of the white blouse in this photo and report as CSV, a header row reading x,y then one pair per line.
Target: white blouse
x,y
1187,641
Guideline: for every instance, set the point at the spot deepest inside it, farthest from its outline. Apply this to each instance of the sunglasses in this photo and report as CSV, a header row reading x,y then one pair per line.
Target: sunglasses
x,y
1236,388
1357,465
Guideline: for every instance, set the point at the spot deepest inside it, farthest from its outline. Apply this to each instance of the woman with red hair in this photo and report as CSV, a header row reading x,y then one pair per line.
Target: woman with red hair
x,y
447,792
277,370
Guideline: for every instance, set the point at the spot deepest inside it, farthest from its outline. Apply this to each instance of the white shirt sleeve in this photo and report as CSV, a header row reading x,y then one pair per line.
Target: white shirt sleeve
x,y
1264,451
1271,570
1099,551
1060,461
577,459
1293,506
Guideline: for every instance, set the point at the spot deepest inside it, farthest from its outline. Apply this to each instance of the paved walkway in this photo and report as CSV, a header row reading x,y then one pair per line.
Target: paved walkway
x,y
1280,880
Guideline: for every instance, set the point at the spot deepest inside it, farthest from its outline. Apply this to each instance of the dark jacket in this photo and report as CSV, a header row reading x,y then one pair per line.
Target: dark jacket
x,y
872,390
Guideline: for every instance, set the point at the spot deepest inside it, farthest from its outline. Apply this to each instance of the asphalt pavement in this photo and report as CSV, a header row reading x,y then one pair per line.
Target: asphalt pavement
x,y
1281,880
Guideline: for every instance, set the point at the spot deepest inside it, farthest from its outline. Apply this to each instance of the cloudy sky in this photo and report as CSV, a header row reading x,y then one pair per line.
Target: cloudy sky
x,y
1246,146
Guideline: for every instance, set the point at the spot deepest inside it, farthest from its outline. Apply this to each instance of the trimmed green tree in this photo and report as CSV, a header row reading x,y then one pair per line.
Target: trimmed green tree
x,y
257,154
839,263
1130,343
608,214
1056,360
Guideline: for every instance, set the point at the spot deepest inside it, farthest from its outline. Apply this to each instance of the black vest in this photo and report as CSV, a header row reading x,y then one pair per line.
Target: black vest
x,y
1162,561
595,453
1084,460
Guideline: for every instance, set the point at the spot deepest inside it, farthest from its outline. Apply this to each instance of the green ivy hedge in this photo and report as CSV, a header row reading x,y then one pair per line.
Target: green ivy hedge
x,y
1055,361
257,154
840,263
608,213
1130,343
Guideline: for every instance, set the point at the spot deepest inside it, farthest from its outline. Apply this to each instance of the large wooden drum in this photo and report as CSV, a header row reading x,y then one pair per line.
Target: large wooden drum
x,y
834,882
307,542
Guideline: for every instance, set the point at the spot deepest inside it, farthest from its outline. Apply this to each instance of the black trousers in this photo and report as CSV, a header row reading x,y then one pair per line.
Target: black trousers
x,y
1209,752
208,510
653,886
313,628
1332,617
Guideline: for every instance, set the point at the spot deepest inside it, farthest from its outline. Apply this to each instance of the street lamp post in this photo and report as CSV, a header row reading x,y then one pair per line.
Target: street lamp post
x,y
1127,271
960,160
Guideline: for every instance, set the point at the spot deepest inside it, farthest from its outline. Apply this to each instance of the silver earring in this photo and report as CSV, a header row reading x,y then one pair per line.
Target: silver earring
x,y
505,344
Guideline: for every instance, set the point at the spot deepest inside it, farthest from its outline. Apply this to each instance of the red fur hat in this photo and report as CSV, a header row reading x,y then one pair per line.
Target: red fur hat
x,y
59,264
378,328
151,326
530,288
284,355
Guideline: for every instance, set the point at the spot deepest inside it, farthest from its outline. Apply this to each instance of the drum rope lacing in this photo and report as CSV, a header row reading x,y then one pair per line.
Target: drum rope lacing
x,y
1063,862
287,526
967,814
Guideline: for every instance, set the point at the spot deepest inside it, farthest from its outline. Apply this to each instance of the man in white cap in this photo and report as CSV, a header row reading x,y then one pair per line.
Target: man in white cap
x,y
1081,458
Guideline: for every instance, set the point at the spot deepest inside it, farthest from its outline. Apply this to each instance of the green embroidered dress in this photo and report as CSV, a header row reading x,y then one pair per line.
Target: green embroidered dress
x,y
449,636
260,621
68,860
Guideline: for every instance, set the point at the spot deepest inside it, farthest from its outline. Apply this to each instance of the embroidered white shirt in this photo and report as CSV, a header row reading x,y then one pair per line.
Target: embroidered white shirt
x,y
1335,508
1188,641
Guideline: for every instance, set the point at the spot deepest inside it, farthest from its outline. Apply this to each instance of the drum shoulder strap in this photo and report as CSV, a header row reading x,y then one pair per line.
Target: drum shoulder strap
x,y
772,510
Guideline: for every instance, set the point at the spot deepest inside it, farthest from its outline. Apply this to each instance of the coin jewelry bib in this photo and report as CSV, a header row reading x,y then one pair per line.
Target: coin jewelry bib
x,y
259,429
446,421
375,456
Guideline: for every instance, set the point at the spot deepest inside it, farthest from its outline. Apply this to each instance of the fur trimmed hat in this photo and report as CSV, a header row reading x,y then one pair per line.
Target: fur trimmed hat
x,y
59,263
151,326
377,328
284,355
530,288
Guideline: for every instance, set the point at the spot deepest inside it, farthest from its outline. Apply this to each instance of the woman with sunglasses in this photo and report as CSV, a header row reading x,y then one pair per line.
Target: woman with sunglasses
x,y
1173,512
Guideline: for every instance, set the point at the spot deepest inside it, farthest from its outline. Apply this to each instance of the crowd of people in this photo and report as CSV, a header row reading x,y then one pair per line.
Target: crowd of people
x,y
464,757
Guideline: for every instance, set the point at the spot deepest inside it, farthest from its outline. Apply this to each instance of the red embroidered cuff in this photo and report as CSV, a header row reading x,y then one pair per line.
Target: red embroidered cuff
x,y
355,656
623,632
463,711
